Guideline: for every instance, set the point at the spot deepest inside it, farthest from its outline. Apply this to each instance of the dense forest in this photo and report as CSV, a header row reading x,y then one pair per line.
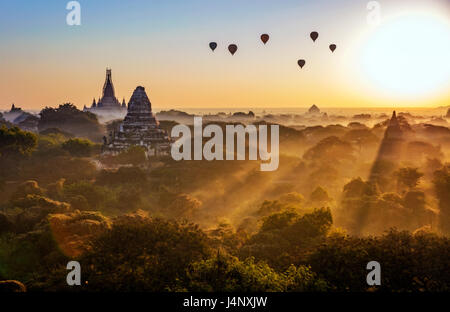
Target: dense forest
x,y
154,224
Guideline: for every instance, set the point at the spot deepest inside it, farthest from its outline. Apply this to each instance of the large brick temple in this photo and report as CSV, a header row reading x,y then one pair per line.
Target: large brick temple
x,y
140,128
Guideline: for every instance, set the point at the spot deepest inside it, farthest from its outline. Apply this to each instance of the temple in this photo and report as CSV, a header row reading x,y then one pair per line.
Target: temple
x,y
108,102
139,128
390,151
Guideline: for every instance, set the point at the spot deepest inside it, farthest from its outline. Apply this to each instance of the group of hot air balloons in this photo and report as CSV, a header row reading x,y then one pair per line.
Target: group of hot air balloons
x,y
314,35
265,38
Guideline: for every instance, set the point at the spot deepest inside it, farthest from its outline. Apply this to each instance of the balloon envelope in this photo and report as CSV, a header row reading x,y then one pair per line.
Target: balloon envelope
x,y
301,63
265,38
314,35
213,45
332,47
232,48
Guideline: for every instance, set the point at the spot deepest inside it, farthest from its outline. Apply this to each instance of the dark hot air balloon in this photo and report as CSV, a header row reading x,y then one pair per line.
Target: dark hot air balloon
x,y
232,48
301,63
314,35
265,38
332,47
213,45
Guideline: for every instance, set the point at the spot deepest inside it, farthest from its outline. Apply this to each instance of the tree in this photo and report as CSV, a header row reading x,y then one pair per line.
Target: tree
x,y
142,254
319,195
409,262
228,274
78,147
285,237
330,148
16,143
358,188
415,202
408,177
441,183
81,192
134,176
69,119
224,273
135,155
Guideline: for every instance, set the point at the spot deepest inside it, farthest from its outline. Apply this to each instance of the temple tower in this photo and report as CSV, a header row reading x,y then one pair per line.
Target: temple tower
x,y
140,128
108,101
389,154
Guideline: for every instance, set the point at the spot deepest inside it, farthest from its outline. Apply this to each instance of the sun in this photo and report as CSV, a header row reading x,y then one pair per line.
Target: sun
x,y
409,56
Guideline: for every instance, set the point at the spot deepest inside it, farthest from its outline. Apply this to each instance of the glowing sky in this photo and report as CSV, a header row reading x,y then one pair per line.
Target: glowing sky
x,y
163,45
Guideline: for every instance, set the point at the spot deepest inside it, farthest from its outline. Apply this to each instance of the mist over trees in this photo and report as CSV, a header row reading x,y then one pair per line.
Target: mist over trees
x,y
154,224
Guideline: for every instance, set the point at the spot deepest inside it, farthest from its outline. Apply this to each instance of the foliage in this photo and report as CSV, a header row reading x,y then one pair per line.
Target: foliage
x,y
140,254
319,195
95,196
130,176
69,119
409,262
28,256
330,148
441,183
408,176
78,147
134,155
16,143
286,237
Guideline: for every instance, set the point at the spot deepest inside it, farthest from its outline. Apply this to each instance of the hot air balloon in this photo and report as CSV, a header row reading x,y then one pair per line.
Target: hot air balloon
x,y
232,48
301,63
213,45
314,35
332,47
265,38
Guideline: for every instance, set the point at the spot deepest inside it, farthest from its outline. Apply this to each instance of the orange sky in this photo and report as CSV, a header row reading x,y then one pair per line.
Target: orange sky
x,y
45,62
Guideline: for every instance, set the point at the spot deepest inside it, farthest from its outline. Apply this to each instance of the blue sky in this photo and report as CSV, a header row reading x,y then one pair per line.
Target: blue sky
x,y
163,44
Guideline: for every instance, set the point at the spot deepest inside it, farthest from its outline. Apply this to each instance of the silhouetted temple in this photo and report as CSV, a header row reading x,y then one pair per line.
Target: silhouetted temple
x,y
108,101
314,110
139,128
391,149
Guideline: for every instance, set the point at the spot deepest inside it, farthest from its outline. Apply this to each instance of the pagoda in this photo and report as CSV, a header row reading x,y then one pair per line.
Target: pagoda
x,y
313,110
390,151
139,128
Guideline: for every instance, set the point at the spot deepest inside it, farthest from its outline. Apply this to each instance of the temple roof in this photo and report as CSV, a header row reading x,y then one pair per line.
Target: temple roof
x,y
314,109
139,101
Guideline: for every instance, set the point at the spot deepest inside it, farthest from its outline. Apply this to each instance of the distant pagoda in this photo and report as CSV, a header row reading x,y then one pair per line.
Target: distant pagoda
x,y
139,128
391,149
108,101
313,110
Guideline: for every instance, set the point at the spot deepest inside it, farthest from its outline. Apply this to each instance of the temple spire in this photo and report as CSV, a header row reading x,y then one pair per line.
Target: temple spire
x,y
108,88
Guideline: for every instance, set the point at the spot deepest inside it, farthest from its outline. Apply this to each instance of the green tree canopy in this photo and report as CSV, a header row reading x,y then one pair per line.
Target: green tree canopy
x,y
14,142
79,147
